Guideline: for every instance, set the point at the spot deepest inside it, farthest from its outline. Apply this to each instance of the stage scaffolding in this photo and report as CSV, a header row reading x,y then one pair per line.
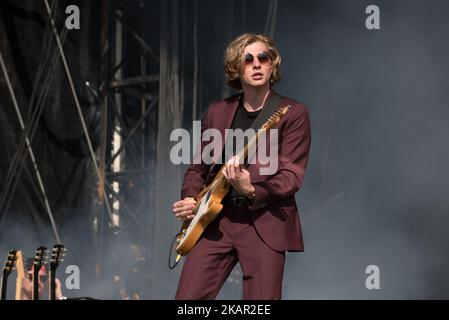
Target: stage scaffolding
x,y
159,66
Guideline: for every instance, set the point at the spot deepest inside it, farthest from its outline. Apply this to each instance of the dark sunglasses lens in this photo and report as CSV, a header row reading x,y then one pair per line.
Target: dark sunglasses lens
x,y
248,58
263,58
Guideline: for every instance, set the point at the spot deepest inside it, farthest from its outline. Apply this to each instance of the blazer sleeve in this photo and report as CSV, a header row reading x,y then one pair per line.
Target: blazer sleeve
x,y
196,173
293,154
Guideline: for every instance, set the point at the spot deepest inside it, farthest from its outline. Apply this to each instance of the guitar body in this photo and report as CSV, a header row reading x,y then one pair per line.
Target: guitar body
x,y
206,210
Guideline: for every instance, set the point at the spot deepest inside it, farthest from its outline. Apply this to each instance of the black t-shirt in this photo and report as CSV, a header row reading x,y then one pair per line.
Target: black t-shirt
x,y
243,118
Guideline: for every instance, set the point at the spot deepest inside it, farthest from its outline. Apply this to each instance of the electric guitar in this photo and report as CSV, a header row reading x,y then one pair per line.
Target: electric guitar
x,y
39,261
21,274
57,255
209,203
14,261
11,264
7,269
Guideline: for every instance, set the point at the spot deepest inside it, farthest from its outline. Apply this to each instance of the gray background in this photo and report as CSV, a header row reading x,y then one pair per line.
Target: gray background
x,y
376,186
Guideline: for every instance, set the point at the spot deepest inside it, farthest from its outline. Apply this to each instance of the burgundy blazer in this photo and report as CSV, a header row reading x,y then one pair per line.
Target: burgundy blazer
x,y
274,210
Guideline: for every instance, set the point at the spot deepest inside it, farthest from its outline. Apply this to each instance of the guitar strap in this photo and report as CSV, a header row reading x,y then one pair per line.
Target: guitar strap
x,y
272,103
269,108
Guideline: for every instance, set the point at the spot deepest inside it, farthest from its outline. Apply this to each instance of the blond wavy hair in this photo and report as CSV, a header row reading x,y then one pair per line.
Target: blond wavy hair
x,y
233,58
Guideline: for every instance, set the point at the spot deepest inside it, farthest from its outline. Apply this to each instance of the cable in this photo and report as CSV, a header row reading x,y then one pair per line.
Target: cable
x,y
18,160
78,107
30,150
178,256
16,166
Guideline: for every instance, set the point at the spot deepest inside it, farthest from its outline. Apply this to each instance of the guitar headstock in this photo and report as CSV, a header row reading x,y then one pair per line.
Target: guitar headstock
x,y
276,117
14,261
57,256
40,258
10,263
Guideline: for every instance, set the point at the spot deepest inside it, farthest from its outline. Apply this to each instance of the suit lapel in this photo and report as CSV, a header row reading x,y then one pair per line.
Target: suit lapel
x,y
224,121
232,109
229,115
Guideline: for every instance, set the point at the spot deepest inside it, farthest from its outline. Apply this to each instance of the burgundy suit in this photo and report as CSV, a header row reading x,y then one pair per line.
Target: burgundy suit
x,y
272,218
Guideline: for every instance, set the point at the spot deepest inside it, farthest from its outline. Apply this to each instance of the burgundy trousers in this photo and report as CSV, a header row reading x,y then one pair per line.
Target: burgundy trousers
x,y
229,239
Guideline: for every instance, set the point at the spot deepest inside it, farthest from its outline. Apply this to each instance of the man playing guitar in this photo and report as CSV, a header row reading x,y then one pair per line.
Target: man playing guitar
x,y
259,220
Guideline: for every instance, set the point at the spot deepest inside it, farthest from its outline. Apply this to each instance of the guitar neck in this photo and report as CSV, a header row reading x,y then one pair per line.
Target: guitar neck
x,y
220,181
19,284
252,142
52,285
36,283
20,267
56,258
4,285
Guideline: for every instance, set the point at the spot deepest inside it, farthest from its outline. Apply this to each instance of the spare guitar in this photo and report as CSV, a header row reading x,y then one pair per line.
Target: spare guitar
x,y
39,261
208,204
57,255
21,274
10,265
14,261
7,269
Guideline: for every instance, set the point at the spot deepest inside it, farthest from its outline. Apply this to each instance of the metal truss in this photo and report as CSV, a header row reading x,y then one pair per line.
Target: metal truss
x,y
128,98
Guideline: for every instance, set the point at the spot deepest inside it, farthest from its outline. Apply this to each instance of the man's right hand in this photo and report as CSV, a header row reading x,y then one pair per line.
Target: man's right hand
x,y
183,209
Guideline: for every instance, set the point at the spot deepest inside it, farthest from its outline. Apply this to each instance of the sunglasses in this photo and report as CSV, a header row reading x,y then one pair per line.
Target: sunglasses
x,y
263,57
